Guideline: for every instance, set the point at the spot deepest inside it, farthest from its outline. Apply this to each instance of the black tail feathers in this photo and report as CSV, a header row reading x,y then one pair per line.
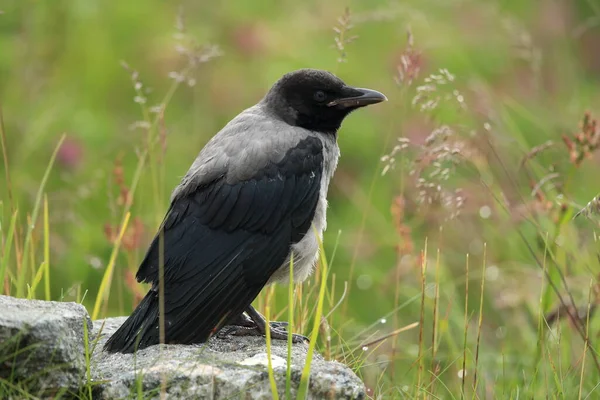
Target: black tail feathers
x,y
139,330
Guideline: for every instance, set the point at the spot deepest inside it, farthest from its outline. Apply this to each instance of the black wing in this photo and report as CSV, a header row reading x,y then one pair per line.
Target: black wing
x,y
222,243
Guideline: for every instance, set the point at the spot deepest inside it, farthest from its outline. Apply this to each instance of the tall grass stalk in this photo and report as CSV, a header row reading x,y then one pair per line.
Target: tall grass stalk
x,y
304,380
46,250
288,371
422,320
21,279
389,335
9,188
466,331
104,290
434,329
88,373
480,322
587,333
43,272
270,370
541,353
10,235
395,320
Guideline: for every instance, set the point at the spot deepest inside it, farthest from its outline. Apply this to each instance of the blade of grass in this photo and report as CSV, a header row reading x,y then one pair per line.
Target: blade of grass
x,y
434,333
557,380
107,277
479,324
38,200
36,281
422,319
304,380
407,302
288,372
440,381
541,354
46,250
342,297
464,365
272,382
587,332
393,333
13,206
88,374
32,249
300,307
395,320
43,271
592,390
7,248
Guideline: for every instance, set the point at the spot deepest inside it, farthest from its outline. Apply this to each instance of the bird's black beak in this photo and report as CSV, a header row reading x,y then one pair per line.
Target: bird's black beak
x,y
357,97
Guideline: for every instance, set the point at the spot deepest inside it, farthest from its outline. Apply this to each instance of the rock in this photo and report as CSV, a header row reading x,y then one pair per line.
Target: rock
x,y
42,346
223,368
42,353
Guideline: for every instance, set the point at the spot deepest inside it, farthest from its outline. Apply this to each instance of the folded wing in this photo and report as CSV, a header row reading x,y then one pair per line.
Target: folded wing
x,y
222,242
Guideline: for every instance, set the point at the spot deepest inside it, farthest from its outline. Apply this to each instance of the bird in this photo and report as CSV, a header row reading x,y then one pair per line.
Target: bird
x,y
254,199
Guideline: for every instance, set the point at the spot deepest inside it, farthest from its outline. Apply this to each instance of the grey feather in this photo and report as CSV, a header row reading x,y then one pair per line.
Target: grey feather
x,y
246,145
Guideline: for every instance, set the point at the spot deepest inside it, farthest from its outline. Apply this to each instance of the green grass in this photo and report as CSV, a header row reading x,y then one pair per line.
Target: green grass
x,y
398,303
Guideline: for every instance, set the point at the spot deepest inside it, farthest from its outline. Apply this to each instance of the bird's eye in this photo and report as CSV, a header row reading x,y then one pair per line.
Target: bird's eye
x,y
320,96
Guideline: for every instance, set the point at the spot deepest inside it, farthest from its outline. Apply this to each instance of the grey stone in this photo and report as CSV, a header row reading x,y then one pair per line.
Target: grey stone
x,y
223,368
42,345
42,352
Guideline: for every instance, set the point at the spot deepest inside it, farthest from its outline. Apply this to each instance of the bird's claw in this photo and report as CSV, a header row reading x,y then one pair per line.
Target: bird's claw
x,y
282,334
232,330
281,325
278,331
297,338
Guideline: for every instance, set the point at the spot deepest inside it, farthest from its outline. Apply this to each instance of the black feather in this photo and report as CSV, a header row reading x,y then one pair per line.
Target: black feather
x,y
222,243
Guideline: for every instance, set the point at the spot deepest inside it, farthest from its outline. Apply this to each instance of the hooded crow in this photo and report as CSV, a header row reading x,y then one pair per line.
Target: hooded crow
x,y
254,198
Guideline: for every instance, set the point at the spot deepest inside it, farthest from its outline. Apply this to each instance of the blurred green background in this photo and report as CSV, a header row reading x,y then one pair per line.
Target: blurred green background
x,y
524,73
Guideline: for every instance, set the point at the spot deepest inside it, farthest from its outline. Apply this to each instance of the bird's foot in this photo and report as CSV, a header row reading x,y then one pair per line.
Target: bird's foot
x,y
282,333
236,330
235,327
255,325
243,321
280,325
277,331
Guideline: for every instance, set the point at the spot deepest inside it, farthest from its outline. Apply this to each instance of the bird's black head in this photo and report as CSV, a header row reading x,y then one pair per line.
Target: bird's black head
x,y
317,100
